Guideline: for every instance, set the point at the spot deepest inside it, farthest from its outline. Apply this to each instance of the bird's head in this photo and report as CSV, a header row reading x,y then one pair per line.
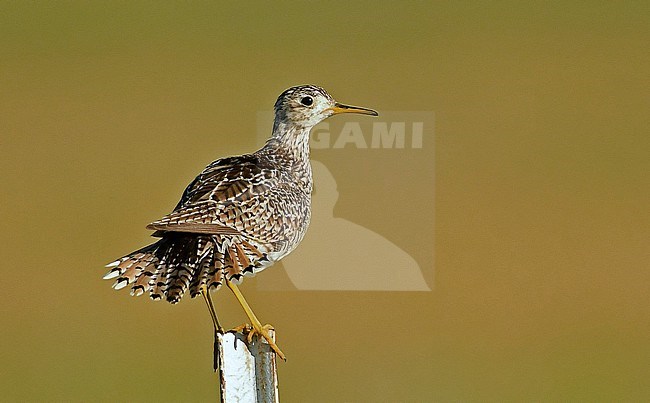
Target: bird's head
x,y
307,105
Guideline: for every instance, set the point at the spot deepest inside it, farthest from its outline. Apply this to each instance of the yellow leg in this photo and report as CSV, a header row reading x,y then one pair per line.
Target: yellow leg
x,y
258,328
217,327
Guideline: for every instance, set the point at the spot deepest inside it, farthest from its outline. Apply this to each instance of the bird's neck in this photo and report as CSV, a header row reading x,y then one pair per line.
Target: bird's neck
x,y
288,148
291,141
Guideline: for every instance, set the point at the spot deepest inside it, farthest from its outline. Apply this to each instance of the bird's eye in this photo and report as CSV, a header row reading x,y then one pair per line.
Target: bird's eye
x,y
307,101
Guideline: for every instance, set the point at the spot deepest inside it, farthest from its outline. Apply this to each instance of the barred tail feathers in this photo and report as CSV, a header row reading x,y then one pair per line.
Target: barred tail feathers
x,y
179,262
129,267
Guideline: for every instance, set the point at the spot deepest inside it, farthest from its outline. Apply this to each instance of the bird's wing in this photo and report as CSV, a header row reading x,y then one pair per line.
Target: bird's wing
x,y
197,218
229,179
226,184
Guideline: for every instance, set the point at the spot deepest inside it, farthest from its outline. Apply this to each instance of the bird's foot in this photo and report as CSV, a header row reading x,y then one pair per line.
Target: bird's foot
x,y
260,330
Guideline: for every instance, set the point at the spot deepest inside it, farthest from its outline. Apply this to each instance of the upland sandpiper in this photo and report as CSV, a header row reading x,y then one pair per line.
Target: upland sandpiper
x,y
238,217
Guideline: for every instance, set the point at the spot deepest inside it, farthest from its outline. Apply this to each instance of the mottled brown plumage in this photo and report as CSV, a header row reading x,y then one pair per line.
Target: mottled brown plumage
x,y
240,215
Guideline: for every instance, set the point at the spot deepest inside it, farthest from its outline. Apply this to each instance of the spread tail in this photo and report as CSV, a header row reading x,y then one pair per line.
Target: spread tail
x,y
179,262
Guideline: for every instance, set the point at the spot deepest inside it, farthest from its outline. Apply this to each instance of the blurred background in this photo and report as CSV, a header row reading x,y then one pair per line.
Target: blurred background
x,y
535,209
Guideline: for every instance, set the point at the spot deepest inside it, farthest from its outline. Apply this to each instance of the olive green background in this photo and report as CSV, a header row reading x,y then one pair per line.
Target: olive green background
x,y
541,285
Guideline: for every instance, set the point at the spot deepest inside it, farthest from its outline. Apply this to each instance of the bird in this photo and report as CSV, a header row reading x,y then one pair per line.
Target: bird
x,y
239,216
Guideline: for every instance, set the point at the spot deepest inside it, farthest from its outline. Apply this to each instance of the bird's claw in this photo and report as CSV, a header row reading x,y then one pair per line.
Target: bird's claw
x,y
251,331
